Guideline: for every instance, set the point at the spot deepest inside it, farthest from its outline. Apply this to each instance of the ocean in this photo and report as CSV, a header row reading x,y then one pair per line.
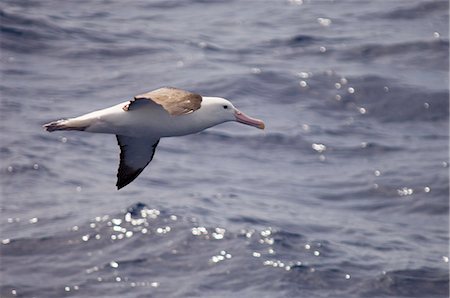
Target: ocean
x,y
345,193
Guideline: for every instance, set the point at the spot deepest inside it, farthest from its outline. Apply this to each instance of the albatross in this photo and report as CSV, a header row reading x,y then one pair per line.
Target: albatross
x,y
141,122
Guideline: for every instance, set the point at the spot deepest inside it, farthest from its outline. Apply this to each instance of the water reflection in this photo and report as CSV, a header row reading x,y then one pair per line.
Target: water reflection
x,y
142,223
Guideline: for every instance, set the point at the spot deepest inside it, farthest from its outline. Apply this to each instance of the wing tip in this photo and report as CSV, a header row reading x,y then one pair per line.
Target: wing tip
x,y
120,185
56,125
126,175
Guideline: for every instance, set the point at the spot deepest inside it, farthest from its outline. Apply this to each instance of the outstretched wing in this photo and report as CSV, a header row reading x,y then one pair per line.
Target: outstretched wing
x,y
135,155
174,101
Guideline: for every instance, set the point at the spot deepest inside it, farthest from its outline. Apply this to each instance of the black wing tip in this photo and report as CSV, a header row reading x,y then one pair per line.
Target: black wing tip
x,y
124,179
120,185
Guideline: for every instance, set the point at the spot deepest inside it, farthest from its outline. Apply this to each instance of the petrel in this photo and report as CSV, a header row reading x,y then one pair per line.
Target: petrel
x,y
140,123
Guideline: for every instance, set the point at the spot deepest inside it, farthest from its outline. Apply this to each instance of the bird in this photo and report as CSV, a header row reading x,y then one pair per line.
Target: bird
x,y
141,122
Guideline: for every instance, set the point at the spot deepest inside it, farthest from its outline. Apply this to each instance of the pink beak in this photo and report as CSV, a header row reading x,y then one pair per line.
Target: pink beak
x,y
242,118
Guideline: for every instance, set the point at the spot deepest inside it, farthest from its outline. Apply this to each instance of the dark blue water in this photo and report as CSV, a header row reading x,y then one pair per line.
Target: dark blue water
x,y
346,193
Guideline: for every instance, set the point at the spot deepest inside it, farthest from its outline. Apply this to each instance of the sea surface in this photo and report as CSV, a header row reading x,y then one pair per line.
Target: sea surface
x,y
345,194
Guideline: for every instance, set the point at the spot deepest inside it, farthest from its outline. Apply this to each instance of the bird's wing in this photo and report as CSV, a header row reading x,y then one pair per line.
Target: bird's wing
x,y
135,155
175,101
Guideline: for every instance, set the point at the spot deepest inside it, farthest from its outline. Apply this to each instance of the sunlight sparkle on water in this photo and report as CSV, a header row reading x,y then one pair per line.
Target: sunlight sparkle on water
x,y
116,221
277,264
319,147
163,230
324,22
152,213
405,191
198,231
296,2
266,233
223,255
247,233
268,241
255,70
303,75
306,127
119,229
91,270
218,234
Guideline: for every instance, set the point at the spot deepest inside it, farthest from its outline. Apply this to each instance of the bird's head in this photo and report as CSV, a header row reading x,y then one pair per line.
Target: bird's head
x,y
223,110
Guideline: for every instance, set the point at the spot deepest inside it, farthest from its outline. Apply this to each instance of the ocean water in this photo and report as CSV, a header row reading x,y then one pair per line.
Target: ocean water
x,y
345,194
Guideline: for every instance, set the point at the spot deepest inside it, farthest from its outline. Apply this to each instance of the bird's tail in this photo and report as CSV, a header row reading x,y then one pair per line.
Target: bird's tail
x,y
65,124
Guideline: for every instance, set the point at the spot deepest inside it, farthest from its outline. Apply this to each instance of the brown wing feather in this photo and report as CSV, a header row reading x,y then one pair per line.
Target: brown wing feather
x,y
175,101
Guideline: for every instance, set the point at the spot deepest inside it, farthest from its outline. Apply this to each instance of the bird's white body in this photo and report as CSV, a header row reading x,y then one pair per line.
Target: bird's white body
x,y
150,119
140,123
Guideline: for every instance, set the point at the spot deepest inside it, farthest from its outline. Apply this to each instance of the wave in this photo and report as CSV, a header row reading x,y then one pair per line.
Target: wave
x,y
145,246
434,50
380,98
415,11
420,282
25,34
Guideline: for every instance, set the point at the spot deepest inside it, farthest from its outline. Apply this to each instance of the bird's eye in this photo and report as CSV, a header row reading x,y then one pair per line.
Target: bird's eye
x,y
225,107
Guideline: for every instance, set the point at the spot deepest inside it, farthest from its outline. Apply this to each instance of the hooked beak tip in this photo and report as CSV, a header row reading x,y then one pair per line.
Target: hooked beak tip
x,y
242,118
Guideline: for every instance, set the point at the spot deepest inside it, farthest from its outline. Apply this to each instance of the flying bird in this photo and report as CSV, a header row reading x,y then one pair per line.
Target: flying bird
x,y
140,123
